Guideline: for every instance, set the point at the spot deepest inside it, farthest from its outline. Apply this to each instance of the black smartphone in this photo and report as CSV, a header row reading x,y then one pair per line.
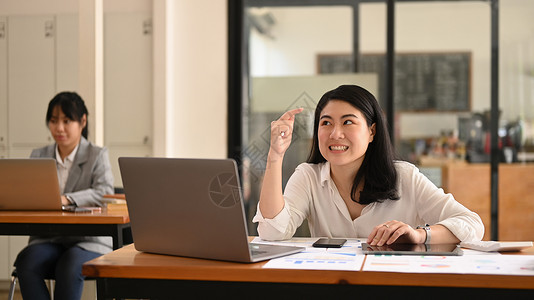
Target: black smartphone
x,y
74,208
329,243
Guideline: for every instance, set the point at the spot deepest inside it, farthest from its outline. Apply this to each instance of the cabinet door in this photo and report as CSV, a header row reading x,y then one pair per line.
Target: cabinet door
x,y
127,86
31,85
3,87
67,65
10,247
4,258
16,244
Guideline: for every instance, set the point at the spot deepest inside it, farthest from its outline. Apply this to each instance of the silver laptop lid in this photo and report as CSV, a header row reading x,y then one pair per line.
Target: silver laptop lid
x,y
186,207
29,184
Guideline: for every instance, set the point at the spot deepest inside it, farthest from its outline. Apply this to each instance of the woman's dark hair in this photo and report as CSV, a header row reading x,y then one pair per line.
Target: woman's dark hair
x,y
377,169
72,106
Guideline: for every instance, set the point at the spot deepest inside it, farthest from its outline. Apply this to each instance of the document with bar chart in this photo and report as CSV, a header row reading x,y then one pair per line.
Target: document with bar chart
x,y
467,264
347,258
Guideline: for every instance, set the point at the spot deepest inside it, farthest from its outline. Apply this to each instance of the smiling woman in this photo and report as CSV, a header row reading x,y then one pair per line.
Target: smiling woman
x,y
351,186
368,125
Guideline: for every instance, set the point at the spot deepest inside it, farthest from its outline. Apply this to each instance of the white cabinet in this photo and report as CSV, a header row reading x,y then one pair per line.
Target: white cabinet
x,y
39,58
10,247
42,61
16,243
27,83
66,53
127,86
31,81
4,254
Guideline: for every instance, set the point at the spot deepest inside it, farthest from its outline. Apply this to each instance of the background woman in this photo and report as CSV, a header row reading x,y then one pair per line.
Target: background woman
x,y
85,175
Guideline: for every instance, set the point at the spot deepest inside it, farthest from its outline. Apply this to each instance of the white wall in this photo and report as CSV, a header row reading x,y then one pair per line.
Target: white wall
x,y
199,126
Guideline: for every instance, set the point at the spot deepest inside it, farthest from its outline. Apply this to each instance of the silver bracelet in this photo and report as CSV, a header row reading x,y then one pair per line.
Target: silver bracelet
x,y
426,227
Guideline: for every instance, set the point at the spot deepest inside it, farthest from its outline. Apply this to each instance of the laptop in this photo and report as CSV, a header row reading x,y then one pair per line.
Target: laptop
x,y
31,184
190,207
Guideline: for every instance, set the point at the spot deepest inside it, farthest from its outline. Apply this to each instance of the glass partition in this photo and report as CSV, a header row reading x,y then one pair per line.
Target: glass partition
x,y
442,95
517,81
443,87
284,49
516,123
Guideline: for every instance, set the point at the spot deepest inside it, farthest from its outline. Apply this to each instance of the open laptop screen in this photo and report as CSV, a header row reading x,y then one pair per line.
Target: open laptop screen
x,y
29,184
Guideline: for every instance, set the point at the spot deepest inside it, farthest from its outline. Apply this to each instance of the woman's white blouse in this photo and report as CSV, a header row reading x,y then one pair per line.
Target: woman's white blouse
x,y
311,194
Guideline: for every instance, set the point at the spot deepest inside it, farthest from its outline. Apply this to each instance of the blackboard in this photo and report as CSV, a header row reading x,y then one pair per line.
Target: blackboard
x,y
423,81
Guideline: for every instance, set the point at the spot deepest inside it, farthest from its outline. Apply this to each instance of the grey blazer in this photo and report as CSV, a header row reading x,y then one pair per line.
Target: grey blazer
x,y
89,179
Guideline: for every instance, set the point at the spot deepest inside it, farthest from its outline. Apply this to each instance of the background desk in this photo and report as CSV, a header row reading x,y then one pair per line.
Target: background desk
x,y
128,273
57,223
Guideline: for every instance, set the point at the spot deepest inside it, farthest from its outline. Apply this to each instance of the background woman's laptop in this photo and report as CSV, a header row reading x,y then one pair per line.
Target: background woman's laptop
x,y
190,207
29,184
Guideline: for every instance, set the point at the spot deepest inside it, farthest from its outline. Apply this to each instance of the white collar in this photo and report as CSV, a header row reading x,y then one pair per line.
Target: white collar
x,y
69,157
325,173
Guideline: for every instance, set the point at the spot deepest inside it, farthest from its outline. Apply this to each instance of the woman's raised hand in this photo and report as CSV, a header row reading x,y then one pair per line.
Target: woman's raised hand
x,y
281,133
271,196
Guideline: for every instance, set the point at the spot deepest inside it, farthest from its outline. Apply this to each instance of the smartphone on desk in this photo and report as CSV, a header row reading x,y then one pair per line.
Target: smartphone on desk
x,y
76,209
329,243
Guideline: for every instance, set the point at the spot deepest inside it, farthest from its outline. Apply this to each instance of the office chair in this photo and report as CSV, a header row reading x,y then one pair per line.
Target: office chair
x,y
12,285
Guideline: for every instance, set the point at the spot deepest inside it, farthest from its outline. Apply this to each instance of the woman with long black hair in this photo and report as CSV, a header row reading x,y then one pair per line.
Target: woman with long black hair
x,y
351,185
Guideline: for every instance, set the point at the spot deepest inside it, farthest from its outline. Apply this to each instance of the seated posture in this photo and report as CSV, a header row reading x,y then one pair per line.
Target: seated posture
x,y
351,186
84,174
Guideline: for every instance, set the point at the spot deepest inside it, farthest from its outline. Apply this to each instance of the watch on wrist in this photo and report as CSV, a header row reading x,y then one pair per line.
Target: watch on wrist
x,y
426,227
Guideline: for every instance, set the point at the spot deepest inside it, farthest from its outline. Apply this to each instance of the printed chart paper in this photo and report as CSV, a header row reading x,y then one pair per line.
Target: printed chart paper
x,y
350,258
467,264
347,258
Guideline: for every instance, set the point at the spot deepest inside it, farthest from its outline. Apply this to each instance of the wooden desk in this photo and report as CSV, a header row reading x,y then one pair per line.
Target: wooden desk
x,y
128,273
115,196
57,223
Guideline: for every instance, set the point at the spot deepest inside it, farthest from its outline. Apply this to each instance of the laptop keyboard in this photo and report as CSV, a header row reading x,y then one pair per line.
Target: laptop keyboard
x,y
257,252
